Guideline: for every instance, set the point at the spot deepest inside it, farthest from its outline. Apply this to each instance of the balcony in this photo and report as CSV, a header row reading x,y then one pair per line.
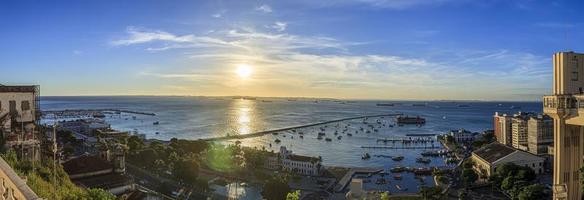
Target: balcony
x,y
560,105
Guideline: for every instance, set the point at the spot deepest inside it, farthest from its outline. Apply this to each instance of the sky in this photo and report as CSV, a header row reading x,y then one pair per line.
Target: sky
x,y
350,49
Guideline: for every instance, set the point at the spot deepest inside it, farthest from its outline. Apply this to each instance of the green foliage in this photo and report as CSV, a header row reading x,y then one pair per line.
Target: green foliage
x,y
39,176
99,194
187,170
276,188
430,192
514,180
384,196
535,191
135,144
469,176
293,195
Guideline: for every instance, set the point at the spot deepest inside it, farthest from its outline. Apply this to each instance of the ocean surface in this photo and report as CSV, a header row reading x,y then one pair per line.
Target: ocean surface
x,y
207,117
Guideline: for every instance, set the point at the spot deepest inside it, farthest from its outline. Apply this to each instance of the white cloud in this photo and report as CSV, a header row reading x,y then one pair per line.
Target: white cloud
x,y
138,36
264,8
280,26
317,65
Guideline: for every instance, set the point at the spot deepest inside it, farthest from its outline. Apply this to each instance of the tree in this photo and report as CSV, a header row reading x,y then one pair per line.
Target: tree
x,y
100,194
293,195
276,188
469,176
135,143
384,196
535,191
429,192
187,170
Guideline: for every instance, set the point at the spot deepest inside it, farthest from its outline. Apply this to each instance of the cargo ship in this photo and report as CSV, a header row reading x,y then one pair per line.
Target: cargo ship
x,y
410,120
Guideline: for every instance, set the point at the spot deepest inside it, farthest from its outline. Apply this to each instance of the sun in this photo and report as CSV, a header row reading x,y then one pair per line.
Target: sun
x,y
243,70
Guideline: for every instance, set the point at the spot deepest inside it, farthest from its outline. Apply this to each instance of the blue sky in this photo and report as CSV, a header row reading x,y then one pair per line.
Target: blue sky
x,y
363,49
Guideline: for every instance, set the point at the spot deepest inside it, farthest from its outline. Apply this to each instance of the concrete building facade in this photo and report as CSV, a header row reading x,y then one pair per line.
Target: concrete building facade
x,y
566,107
519,131
19,117
502,128
540,134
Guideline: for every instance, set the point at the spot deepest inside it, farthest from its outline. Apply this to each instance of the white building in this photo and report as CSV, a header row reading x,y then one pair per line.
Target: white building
x,y
463,136
489,157
287,161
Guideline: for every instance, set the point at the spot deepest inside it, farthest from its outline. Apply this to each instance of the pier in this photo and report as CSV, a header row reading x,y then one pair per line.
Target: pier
x,y
91,112
261,133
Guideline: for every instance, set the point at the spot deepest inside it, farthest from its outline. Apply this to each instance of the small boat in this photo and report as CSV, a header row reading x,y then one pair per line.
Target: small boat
x,y
328,139
321,134
397,158
339,137
301,137
400,188
397,177
397,169
157,133
365,156
156,123
423,160
348,134
319,137
277,141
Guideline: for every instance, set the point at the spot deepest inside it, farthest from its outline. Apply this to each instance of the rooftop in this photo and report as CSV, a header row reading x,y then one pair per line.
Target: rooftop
x,y
493,152
107,181
86,163
22,88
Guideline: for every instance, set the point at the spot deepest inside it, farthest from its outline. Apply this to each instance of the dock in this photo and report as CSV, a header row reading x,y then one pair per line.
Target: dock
x,y
261,133
342,184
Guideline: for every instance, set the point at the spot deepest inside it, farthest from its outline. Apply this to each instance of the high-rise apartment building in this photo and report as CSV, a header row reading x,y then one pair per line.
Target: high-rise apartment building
x,y
540,134
519,130
502,128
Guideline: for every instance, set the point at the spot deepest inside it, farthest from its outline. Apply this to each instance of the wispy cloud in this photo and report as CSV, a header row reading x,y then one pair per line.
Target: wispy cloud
x,y
279,26
264,8
324,65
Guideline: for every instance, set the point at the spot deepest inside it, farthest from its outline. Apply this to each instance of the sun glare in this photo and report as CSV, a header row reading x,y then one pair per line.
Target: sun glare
x,y
243,70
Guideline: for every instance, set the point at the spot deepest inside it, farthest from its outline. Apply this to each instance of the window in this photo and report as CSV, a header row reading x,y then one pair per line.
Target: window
x,y
24,106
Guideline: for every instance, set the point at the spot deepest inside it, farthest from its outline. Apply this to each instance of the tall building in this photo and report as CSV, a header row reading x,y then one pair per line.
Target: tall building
x,y
502,128
19,117
564,106
519,130
540,134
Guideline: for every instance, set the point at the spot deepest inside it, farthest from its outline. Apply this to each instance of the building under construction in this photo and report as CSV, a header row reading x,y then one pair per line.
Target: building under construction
x,y
19,120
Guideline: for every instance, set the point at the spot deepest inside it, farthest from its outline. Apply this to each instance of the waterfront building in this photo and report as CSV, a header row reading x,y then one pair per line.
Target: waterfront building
x,y
19,117
540,134
304,165
463,136
286,160
565,106
502,128
489,157
519,130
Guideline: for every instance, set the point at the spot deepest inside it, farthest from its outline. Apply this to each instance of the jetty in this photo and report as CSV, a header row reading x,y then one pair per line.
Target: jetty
x,y
261,133
92,112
